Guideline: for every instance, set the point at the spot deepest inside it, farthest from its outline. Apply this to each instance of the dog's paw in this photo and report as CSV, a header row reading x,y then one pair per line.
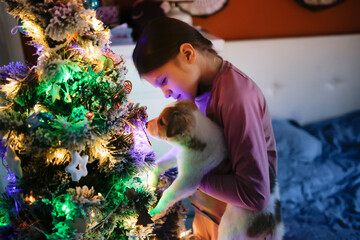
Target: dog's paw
x,y
152,179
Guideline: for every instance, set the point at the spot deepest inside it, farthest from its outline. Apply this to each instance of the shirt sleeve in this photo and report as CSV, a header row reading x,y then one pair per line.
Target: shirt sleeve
x,y
248,185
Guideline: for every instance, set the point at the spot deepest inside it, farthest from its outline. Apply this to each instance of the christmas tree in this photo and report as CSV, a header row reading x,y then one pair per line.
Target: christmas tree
x,y
75,149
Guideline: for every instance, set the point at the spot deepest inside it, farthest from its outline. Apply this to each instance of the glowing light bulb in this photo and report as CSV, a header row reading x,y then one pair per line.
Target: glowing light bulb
x,y
103,153
65,208
30,199
185,234
36,107
59,155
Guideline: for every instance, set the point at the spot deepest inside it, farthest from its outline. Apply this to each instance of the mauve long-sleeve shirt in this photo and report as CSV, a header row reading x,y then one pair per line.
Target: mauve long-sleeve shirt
x,y
237,104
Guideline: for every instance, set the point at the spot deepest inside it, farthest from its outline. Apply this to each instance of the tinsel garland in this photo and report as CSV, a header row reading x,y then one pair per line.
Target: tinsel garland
x,y
77,153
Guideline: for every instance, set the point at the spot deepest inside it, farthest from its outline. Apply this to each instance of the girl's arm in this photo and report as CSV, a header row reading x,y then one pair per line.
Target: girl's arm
x,y
168,160
243,114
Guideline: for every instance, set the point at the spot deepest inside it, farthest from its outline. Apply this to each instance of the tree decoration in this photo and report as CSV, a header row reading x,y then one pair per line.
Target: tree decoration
x,y
77,167
72,143
93,4
20,27
13,161
127,86
79,113
37,119
89,115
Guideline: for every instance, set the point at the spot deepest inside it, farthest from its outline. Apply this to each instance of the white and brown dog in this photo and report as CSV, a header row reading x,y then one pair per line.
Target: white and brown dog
x,y
201,147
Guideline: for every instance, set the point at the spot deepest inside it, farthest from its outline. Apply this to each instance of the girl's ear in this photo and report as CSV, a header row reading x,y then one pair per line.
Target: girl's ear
x,y
188,52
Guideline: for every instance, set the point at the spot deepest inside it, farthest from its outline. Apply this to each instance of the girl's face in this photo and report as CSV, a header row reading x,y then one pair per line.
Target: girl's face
x,y
178,78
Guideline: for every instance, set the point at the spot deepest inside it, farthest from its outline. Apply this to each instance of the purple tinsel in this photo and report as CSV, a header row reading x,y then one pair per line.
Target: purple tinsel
x,y
13,69
2,149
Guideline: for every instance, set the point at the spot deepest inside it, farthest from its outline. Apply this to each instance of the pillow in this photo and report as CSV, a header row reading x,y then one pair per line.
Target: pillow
x,y
293,142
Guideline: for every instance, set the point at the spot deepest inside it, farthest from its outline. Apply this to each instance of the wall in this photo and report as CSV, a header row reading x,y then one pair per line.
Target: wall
x,y
307,79
10,45
280,18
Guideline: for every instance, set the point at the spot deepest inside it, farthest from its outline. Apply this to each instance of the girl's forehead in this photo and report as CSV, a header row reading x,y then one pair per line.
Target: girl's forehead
x,y
152,76
159,73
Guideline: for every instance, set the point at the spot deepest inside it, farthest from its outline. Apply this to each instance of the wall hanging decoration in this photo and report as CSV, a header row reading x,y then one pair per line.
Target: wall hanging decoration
x,y
202,8
316,5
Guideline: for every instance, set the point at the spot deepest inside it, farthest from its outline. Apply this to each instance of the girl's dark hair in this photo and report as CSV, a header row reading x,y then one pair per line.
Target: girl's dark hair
x,y
160,42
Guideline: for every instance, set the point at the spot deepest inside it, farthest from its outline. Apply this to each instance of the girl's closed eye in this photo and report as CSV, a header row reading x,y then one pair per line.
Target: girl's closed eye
x,y
163,82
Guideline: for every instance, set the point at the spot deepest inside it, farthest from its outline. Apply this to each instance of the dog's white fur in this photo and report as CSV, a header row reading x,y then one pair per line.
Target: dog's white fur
x,y
193,164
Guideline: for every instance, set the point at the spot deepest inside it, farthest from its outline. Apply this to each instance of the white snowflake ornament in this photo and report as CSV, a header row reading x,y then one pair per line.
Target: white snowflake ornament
x,y
13,161
75,171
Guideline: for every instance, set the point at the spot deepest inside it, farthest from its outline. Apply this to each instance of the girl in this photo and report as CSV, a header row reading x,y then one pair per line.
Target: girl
x,y
175,57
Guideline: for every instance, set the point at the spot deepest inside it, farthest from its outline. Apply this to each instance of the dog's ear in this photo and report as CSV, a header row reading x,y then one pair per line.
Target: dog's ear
x,y
177,125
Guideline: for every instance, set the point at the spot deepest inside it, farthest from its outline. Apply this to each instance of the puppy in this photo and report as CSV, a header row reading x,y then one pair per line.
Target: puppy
x,y
200,148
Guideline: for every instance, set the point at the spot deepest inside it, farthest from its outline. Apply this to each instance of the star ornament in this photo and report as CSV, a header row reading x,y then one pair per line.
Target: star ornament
x,y
77,167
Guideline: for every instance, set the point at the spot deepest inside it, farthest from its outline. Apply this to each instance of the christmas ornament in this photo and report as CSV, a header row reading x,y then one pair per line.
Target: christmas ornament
x,y
38,118
93,4
21,28
118,61
13,161
127,86
78,114
77,167
89,115
108,62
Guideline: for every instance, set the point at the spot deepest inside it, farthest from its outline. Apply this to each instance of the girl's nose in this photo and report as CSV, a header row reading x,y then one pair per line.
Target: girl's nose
x,y
167,93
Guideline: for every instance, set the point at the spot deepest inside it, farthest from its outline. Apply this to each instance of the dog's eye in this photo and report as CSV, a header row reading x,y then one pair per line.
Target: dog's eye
x,y
161,122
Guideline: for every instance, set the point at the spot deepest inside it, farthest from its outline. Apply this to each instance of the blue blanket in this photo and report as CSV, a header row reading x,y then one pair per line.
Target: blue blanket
x,y
321,193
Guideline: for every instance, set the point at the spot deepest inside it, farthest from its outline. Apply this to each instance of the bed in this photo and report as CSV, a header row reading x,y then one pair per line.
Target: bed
x,y
319,177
